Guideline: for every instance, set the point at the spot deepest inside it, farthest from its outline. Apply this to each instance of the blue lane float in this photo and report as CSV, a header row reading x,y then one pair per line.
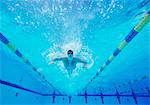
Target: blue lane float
x,y
116,52
18,53
131,35
3,39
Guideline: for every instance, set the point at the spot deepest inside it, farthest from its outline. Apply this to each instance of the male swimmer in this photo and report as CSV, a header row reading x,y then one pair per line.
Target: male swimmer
x,y
70,61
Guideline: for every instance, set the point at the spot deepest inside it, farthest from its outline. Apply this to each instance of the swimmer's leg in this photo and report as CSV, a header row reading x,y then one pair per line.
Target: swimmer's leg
x,y
69,72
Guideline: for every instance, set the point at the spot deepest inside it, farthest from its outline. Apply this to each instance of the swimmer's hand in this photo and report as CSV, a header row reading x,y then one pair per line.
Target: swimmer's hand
x,y
85,66
51,62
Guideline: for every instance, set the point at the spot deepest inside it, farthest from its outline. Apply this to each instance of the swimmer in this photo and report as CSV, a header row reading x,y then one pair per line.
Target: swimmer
x,y
70,61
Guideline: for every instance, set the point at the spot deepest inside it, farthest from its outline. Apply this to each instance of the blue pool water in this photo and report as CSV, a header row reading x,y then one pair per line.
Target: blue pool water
x,y
45,29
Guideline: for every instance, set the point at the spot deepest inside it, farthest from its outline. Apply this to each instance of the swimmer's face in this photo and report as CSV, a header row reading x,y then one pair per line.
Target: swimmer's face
x,y
70,54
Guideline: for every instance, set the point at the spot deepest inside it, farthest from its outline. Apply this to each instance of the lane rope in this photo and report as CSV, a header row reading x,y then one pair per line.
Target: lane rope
x,y
122,45
5,41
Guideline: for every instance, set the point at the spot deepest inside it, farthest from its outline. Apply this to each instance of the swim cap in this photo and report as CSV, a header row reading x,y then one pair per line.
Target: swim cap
x,y
70,52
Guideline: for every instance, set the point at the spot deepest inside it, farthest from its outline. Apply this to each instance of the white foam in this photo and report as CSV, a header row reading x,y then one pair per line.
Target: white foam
x,y
82,52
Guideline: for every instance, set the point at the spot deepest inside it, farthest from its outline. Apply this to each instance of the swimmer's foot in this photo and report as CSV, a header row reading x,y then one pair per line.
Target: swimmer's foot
x,y
69,73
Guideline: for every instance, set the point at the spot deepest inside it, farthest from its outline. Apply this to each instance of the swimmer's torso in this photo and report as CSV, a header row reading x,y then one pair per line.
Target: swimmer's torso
x,y
70,65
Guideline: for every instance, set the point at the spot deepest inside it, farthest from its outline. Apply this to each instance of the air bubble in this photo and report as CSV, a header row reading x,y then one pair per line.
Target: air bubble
x,y
26,22
65,8
18,17
32,23
121,6
108,17
17,5
104,15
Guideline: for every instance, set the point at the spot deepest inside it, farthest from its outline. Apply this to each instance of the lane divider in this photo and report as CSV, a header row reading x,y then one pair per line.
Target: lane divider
x,y
25,60
144,77
133,81
25,89
122,45
54,94
19,87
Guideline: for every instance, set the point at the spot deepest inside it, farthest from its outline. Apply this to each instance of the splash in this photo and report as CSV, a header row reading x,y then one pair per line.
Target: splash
x,y
80,51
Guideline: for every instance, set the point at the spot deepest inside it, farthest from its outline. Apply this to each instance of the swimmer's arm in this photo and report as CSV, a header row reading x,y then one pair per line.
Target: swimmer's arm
x,y
55,59
58,59
81,61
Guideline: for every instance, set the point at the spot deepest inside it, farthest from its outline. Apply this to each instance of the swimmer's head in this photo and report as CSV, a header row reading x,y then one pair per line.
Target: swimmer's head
x,y
70,53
